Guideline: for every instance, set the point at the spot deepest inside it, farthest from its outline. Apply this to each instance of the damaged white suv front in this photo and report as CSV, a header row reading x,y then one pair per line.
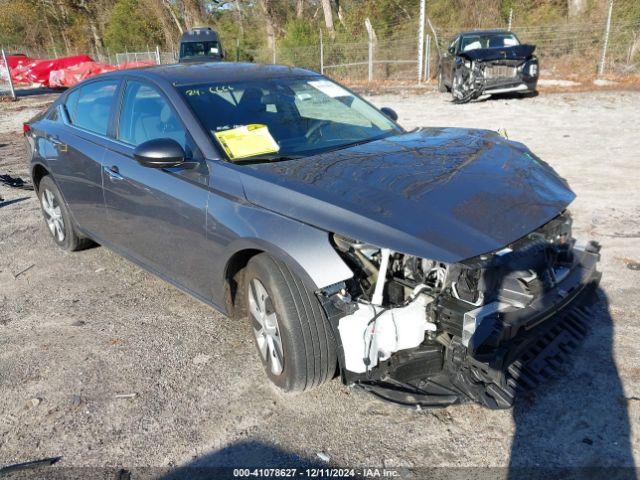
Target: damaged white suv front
x,y
422,332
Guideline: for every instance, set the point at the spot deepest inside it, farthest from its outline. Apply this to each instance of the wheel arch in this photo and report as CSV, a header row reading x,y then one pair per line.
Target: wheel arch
x,y
38,172
234,281
297,260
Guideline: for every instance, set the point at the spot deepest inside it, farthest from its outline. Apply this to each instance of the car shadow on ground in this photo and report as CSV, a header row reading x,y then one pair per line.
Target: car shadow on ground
x,y
513,96
575,426
246,456
578,425
6,203
504,96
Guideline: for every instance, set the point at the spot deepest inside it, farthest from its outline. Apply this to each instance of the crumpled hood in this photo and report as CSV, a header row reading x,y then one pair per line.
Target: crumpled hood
x,y
441,193
515,52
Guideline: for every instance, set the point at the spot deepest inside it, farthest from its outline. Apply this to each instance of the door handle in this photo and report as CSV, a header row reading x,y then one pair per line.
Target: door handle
x,y
113,172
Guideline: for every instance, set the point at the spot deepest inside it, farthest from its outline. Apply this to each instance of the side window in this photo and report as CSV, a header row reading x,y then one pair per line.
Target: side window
x,y
453,46
89,107
52,115
146,115
472,43
70,105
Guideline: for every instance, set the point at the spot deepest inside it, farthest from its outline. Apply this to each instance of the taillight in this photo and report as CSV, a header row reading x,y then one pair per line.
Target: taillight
x,y
26,128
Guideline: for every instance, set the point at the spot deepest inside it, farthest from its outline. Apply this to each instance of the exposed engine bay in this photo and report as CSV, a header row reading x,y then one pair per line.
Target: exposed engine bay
x,y
418,331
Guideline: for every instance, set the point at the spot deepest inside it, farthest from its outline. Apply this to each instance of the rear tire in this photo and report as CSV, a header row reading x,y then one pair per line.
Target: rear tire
x,y
57,217
286,315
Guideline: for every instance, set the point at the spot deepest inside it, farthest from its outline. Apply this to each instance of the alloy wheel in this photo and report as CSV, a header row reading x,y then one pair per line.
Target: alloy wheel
x,y
265,327
53,214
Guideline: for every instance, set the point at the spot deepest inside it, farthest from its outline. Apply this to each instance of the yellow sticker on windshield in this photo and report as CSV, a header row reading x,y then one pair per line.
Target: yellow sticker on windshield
x,y
247,141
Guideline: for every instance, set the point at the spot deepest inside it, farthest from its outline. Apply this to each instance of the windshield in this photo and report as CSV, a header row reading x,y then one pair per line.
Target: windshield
x,y
200,49
494,40
284,117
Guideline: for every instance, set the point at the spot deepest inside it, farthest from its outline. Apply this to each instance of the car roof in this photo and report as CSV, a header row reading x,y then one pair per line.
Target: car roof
x,y
203,72
199,34
485,32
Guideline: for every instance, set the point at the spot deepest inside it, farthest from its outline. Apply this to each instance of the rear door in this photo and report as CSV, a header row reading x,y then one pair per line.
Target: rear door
x,y
79,147
156,216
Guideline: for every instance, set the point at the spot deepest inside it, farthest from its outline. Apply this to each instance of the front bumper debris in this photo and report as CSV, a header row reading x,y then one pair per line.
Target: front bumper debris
x,y
539,340
521,87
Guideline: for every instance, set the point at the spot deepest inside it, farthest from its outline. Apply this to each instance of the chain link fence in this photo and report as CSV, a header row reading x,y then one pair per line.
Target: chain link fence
x,y
577,48
6,85
394,59
155,56
574,49
565,49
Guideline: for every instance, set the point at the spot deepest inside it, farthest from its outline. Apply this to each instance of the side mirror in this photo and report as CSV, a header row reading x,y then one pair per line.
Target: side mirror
x,y
451,50
390,112
159,153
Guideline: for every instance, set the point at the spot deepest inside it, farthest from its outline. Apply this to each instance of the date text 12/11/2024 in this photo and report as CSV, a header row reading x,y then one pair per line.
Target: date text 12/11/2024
x,y
315,473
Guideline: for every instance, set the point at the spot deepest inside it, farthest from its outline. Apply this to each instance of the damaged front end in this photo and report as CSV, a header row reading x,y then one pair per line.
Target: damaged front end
x,y
421,332
493,71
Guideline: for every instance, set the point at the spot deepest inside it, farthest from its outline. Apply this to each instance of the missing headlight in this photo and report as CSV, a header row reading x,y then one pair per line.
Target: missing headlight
x,y
403,274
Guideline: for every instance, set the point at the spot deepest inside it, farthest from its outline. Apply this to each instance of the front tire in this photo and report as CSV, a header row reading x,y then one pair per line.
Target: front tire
x,y
292,334
57,217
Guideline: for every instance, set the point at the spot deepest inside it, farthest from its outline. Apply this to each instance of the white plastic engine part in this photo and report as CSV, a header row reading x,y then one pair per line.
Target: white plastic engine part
x,y
382,275
394,329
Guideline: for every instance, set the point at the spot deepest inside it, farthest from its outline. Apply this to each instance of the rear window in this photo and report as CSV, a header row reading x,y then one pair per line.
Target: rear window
x,y
89,107
200,49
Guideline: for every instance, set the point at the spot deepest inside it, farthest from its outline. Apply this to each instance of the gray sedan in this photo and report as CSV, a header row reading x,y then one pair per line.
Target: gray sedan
x,y
424,266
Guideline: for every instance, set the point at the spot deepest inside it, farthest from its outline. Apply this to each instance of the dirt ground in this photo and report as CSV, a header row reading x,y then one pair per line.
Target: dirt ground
x,y
105,365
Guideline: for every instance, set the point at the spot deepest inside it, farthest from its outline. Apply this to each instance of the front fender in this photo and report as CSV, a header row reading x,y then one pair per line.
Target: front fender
x,y
234,225
307,250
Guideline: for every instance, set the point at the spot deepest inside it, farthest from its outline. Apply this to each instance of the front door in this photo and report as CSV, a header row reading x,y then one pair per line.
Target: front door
x,y
157,216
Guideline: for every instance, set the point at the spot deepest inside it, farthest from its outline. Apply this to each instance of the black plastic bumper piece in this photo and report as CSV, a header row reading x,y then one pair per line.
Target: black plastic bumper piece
x,y
537,358
535,355
428,394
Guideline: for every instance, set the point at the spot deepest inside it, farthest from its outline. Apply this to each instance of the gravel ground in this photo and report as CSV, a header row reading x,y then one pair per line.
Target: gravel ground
x,y
78,331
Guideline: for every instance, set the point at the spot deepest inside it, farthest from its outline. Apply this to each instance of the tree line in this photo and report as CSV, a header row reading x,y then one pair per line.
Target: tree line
x,y
101,27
